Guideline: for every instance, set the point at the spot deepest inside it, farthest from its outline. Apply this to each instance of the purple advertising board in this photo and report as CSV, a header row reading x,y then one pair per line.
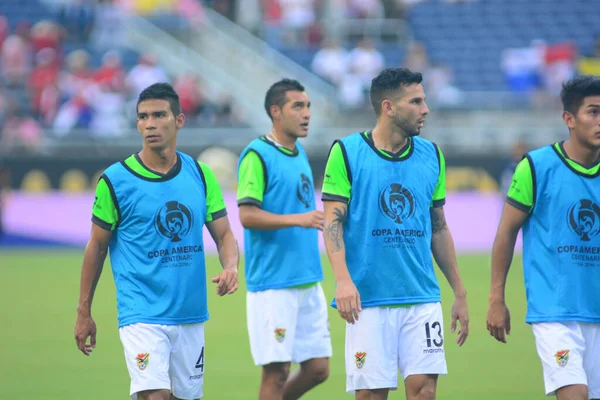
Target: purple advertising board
x,y
64,218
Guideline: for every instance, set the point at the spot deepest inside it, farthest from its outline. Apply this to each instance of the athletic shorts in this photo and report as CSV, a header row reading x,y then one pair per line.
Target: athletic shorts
x,y
288,325
570,354
165,357
387,339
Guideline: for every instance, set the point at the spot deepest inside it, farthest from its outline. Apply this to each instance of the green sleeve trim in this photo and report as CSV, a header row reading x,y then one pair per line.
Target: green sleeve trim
x,y
439,193
521,191
251,180
337,180
215,203
105,211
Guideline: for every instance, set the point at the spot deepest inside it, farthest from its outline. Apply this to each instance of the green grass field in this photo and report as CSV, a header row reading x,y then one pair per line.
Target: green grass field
x,y
39,359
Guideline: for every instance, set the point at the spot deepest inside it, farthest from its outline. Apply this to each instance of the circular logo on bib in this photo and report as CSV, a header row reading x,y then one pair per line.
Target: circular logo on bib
x,y
304,191
397,203
583,218
173,221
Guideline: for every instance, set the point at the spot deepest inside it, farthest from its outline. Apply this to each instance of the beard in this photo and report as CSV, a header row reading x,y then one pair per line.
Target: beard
x,y
411,129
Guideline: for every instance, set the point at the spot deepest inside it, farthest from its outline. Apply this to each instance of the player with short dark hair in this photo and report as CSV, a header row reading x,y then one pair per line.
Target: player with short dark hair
x,y
555,198
286,306
149,211
384,192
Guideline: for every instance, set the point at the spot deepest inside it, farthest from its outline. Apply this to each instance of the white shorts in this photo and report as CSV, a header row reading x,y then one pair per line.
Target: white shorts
x,y
288,325
387,339
165,357
570,354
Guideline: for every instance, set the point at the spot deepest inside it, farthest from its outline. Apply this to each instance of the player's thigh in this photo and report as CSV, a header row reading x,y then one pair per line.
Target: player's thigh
x,y
421,340
371,350
188,360
313,339
591,357
272,316
421,387
560,346
147,350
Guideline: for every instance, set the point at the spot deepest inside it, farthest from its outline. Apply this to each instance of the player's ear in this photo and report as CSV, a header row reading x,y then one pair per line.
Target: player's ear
x,y
275,112
569,119
180,121
386,107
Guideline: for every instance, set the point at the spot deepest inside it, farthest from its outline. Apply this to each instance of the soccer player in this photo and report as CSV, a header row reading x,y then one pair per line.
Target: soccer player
x,y
555,198
384,192
286,306
149,211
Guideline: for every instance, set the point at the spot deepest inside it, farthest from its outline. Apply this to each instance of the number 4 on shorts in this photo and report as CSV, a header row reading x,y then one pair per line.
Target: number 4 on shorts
x,y
435,326
200,362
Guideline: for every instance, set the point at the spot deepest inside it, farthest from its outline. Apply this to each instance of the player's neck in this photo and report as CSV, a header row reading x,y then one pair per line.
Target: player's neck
x,y
282,139
580,153
387,138
159,160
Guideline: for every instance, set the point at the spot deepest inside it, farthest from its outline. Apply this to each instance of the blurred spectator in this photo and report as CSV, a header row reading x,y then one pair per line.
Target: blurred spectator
x,y
77,17
4,29
590,64
145,73
351,90
111,73
21,133
416,58
559,66
43,75
523,67
296,17
190,95
107,31
107,103
362,9
78,75
330,62
47,34
16,61
367,61
439,83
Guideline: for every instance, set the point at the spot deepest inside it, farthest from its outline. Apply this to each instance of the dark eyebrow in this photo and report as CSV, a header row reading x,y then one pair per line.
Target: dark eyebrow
x,y
299,103
593,105
144,114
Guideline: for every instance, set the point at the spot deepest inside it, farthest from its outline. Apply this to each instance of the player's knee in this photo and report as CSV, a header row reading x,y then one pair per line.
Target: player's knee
x,y
426,393
421,388
320,372
276,374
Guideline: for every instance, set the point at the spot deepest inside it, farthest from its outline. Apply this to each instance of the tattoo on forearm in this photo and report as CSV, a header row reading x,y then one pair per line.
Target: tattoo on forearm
x,y
438,220
333,231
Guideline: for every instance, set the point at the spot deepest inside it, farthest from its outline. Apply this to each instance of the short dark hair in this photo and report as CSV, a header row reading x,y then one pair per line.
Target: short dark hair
x,y
161,91
575,90
388,81
276,94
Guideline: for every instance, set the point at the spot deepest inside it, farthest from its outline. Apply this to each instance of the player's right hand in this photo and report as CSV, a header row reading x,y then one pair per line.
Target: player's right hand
x,y
498,320
312,219
347,300
85,327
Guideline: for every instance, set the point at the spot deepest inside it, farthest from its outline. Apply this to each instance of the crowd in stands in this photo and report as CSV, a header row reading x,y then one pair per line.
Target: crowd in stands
x,y
69,74
65,76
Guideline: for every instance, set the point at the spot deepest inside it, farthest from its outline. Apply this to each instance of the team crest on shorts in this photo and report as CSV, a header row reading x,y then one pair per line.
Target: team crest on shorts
x,y
562,357
360,359
142,360
280,334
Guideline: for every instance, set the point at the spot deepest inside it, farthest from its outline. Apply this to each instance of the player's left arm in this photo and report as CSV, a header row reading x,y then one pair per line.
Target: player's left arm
x,y
442,248
219,228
